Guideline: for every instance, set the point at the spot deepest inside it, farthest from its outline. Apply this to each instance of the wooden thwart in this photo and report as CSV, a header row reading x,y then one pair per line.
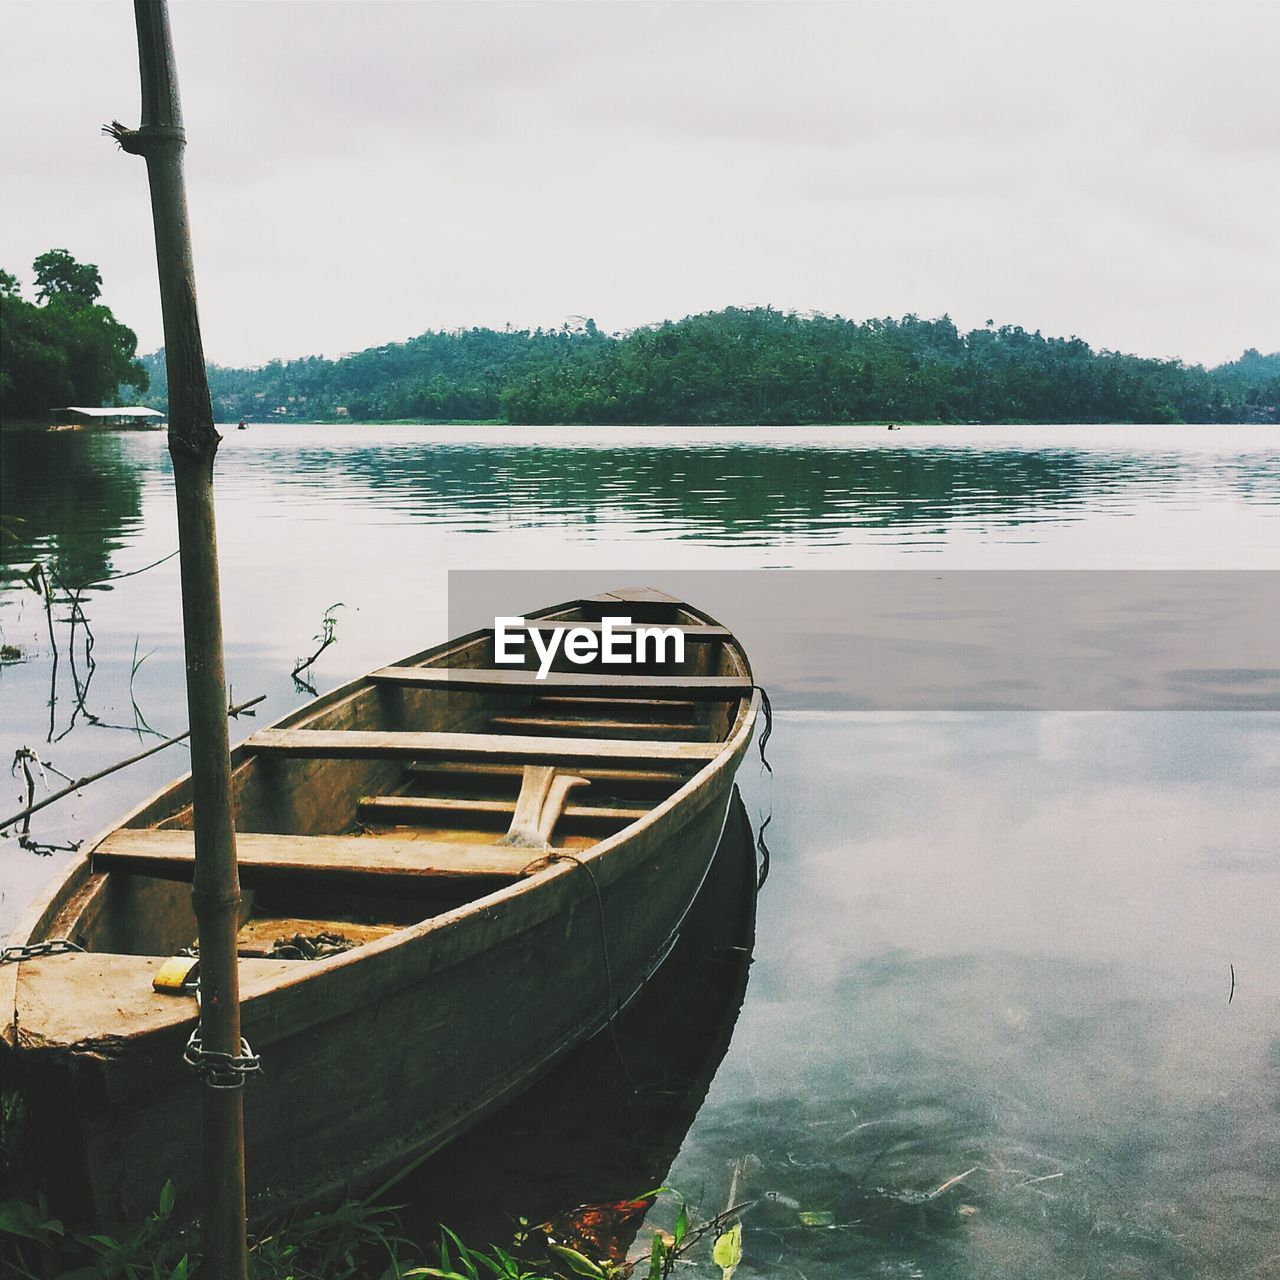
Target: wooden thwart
x,y
556,726
385,808
644,710
453,769
516,680
171,854
690,631
356,743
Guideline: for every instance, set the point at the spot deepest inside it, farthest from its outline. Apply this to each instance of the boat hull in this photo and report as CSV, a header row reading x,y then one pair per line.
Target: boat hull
x,y
428,1041
369,1057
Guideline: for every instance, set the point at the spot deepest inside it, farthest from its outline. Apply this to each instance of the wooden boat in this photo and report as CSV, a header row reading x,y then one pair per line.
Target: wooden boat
x,y
453,963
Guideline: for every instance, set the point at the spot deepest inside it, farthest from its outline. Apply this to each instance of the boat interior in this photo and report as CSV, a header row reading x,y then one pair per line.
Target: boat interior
x,y
424,786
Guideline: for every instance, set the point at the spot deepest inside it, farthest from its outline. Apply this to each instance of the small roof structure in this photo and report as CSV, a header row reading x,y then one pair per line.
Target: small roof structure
x,y
129,411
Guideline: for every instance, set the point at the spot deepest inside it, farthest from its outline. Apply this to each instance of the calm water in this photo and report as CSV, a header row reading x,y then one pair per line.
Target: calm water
x,y
992,955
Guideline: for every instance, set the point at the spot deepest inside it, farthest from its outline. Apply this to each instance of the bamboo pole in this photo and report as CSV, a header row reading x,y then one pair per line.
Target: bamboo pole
x,y
193,442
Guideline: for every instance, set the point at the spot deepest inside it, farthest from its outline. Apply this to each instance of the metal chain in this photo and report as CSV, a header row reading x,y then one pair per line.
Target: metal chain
x,y
221,1070
217,1070
34,950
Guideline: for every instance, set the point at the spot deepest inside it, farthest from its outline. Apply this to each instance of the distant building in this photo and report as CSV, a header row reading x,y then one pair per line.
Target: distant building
x,y
342,411
118,416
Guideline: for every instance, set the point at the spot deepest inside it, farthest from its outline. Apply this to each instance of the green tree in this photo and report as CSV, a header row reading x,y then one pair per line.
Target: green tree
x,y
58,274
71,350
756,365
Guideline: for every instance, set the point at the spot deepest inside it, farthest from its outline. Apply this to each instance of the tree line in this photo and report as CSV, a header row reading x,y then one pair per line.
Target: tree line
x,y
746,366
64,348
740,365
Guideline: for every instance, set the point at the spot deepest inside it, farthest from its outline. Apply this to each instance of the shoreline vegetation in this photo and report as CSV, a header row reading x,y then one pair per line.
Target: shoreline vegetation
x,y
363,1238
737,367
742,367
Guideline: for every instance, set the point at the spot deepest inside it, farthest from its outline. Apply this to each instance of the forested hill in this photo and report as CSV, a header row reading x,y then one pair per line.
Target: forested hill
x,y
746,366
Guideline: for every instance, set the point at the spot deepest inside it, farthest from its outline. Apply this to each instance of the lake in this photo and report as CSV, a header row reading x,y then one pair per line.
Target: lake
x,y
987,1031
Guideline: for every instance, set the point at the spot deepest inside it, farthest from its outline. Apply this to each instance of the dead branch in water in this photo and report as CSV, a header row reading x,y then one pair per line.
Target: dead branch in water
x,y
23,814
327,635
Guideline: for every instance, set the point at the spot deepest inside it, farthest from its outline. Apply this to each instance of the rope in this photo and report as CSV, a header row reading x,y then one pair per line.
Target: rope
x,y
762,849
560,855
767,707
762,846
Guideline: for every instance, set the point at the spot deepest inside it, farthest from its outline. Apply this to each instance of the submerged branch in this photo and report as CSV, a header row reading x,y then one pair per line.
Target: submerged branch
x,y
327,635
23,814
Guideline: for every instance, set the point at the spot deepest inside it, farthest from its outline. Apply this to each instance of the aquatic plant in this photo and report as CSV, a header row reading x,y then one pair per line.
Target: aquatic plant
x,y
362,1238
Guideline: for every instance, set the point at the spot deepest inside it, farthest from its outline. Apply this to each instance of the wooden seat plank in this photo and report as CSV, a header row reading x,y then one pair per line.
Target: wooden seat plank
x,y
691,631
518,680
655,711
556,726
633,595
171,854
453,769
424,805
87,997
358,743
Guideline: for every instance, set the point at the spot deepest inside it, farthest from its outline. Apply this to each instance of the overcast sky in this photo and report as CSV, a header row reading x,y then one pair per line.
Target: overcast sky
x,y
361,172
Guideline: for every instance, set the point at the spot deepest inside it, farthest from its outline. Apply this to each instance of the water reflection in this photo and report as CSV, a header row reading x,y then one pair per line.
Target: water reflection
x,y
989,1032
996,943
73,497
607,1123
752,495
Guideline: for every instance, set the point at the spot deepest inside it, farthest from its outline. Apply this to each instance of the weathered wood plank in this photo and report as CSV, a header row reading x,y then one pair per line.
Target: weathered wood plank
x,y
558,727
516,680
85,998
384,806
453,769
354,744
638,595
173,853
695,632
663,711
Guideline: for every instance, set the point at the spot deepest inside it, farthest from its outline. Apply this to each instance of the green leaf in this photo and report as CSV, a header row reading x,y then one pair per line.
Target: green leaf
x,y
578,1262
657,1258
682,1225
726,1253
167,1198
21,1218
464,1255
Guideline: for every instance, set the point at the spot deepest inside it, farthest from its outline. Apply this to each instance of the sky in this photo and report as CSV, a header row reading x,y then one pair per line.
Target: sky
x,y
361,172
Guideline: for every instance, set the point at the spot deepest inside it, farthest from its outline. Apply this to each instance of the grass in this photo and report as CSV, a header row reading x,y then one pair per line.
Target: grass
x,y
359,1240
